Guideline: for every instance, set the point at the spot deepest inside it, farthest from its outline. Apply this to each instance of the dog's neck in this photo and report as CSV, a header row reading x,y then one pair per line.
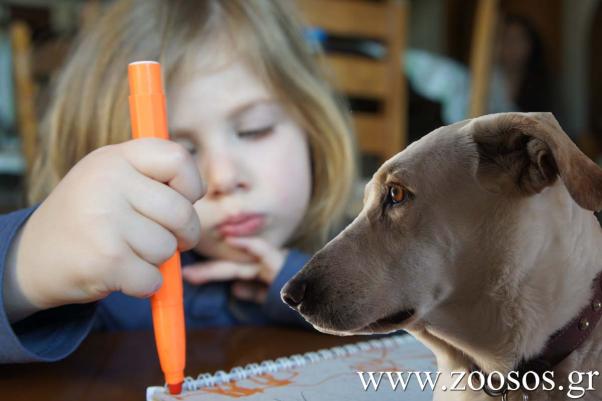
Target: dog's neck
x,y
545,287
558,286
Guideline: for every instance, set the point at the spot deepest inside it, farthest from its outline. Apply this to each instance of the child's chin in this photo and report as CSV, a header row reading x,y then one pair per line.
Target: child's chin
x,y
218,249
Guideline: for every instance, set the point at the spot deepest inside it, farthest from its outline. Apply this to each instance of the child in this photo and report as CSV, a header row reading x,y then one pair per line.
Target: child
x,y
248,111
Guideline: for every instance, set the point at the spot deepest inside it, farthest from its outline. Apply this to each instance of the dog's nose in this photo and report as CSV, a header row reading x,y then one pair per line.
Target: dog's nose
x,y
293,293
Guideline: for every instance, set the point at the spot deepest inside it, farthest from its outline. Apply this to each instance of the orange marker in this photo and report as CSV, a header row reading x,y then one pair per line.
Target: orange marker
x,y
149,119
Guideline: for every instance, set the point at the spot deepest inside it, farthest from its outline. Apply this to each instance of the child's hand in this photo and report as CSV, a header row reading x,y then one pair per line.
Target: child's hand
x,y
251,278
105,227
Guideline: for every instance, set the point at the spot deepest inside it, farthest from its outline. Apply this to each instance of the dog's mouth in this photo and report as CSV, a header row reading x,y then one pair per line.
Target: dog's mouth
x,y
390,322
384,325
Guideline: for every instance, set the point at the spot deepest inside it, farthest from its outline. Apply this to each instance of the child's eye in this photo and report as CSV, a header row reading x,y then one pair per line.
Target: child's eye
x,y
256,133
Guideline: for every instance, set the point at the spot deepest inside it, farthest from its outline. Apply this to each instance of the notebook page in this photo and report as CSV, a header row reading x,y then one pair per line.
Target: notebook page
x,y
325,376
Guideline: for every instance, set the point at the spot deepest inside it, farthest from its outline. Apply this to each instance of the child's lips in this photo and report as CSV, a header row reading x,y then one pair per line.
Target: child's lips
x,y
241,225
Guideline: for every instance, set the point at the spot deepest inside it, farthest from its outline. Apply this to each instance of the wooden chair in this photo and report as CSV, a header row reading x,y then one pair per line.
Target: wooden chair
x,y
481,55
383,133
48,60
24,90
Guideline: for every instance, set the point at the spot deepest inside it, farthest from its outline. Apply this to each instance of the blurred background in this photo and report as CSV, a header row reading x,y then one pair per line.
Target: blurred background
x,y
406,67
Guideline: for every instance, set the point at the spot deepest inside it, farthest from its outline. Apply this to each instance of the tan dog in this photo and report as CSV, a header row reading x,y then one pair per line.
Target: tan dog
x,y
469,241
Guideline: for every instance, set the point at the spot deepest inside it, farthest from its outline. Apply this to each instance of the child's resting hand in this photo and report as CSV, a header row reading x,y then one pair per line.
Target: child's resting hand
x,y
105,228
251,278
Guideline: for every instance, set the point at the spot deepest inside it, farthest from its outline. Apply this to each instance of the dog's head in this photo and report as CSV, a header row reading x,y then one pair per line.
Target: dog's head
x,y
437,220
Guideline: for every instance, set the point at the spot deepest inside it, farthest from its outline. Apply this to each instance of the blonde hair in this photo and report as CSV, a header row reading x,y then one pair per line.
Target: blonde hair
x,y
90,107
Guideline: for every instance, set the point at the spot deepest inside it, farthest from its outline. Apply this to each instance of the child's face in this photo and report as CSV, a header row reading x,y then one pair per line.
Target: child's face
x,y
253,156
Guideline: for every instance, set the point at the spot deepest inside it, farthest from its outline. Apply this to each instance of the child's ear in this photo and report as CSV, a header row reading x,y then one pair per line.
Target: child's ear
x,y
525,152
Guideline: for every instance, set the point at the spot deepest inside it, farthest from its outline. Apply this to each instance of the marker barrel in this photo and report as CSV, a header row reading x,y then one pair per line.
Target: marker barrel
x,y
149,120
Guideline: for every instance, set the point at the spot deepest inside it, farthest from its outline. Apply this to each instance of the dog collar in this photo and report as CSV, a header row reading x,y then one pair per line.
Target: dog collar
x,y
563,342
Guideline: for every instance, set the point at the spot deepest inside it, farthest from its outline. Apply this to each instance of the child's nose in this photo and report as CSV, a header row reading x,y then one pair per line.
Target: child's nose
x,y
223,176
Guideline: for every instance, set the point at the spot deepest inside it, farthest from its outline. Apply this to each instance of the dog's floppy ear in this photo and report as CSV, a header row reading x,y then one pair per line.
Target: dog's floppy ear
x,y
527,151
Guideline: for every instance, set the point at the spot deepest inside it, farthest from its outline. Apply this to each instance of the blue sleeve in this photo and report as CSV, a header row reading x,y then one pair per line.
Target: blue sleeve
x,y
47,335
273,310
274,307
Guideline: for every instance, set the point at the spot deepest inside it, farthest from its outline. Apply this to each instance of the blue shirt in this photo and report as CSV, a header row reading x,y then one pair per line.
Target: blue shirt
x,y
53,334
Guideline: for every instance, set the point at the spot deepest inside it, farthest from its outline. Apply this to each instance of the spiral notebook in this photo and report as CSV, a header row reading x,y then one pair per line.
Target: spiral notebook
x,y
325,375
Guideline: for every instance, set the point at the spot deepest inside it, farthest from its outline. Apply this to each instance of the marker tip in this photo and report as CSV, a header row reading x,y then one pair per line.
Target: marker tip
x,y
175,388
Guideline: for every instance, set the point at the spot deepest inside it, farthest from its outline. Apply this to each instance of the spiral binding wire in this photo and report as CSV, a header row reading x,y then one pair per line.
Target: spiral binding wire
x,y
286,363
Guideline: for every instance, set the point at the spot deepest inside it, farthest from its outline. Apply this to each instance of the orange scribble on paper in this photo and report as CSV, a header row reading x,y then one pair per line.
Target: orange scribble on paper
x,y
270,381
232,389
380,362
264,382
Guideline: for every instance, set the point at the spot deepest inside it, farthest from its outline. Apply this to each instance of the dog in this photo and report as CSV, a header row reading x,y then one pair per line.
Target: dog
x,y
480,240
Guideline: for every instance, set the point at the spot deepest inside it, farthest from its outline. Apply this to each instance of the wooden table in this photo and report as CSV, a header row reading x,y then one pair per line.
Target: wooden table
x,y
118,366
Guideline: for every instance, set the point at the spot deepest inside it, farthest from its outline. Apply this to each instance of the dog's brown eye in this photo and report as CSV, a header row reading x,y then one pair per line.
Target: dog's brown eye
x,y
397,194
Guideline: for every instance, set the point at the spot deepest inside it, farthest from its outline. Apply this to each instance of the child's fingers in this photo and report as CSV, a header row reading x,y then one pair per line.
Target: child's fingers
x,y
254,245
136,277
166,162
166,207
219,270
250,291
271,258
149,240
